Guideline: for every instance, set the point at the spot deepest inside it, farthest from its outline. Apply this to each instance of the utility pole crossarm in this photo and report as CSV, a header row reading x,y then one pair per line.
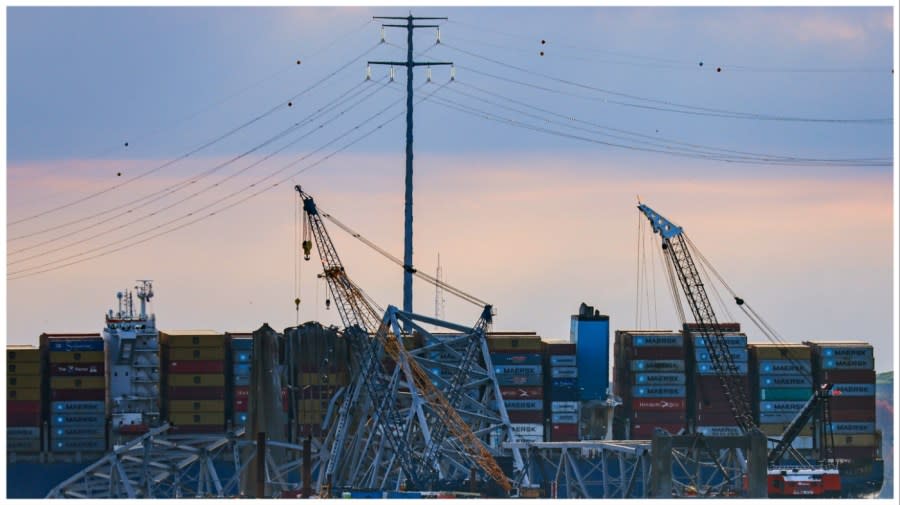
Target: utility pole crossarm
x,y
405,17
415,63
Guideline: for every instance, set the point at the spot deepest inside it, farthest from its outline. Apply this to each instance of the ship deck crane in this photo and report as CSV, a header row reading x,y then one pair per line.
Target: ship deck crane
x,y
677,252
359,316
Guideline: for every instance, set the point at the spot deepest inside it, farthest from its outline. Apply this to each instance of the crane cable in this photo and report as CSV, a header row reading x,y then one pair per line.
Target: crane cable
x,y
428,278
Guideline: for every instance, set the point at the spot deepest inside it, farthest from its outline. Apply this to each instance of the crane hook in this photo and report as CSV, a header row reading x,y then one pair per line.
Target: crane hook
x,y
327,304
307,248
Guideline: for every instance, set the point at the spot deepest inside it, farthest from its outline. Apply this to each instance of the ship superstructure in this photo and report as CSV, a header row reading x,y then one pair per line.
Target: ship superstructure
x,y
134,368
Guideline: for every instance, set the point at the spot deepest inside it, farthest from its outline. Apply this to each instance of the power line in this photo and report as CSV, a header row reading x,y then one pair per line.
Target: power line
x,y
191,152
199,192
669,106
131,243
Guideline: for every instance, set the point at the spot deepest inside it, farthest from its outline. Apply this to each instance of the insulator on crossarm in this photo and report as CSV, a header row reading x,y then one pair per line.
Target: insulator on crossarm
x,y
428,74
382,34
452,72
368,72
437,38
392,74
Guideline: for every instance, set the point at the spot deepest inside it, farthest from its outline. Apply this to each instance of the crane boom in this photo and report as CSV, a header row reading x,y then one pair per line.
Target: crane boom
x,y
800,420
361,319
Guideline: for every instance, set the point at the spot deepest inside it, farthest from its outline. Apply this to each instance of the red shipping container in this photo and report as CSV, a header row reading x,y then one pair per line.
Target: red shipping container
x,y
76,369
23,418
522,393
196,393
241,404
853,403
645,431
653,416
75,395
658,404
561,349
855,453
200,366
563,432
23,406
526,416
656,353
847,377
135,429
243,391
852,415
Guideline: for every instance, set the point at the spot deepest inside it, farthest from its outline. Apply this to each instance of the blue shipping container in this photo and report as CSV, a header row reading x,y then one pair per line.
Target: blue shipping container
x,y
242,357
658,391
785,367
842,352
673,340
517,369
739,341
784,381
79,432
564,383
78,420
776,417
564,395
659,378
78,445
241,369
848,363
564,372
241,380
794,406
590,332
657,365
564,418
94,344
853,390
705,368
737,355
850,428
563,360
243,344
524,404
78,407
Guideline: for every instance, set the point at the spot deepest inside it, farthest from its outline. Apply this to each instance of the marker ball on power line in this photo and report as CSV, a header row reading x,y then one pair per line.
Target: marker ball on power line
x,y
118,174
543,41
290,104
126,144
701,63
542,53
718,69
298,62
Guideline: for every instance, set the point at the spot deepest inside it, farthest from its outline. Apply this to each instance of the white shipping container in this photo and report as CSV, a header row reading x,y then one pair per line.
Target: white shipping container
x,y
563,406
564,372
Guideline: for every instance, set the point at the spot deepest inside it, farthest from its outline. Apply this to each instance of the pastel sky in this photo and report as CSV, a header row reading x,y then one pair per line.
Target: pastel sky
x,y
531,222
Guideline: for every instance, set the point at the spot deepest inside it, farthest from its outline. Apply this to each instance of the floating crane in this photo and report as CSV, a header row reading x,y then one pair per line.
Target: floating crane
x,y
359,316
823,480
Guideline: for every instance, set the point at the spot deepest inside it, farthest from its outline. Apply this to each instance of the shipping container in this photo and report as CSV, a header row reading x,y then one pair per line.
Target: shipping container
x,y
527,429
658,391
22,432
719,431
23,445
784,381
847,364
194,380
23,381
524,343
192,339
670,340
23,369
519,380
197,353
193,418
856,440
798,442
77,369
845,390
521,393
68,395
22,354
197,366
196,393
654,353
797,352
196,406
23,406
846,376
241,380
78,407
563,432
517,369
778,394
645,431
77,357
849,428
78,419
704,368
564,418
659,378
658,404
842,402
777,429
77,383
738,341
776,417
515,359
782,406
722,327
525,416
663,365
563,360
242,356
524,404
69,432
860,350
564,372
23,394
78,445
564,406
197,428
785,367
718,417
242,344
656,416
560,348
23,419
737,355
241,369
856,453
70,345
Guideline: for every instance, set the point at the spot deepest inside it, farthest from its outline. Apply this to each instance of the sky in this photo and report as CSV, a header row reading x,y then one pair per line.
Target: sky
x,y
528,166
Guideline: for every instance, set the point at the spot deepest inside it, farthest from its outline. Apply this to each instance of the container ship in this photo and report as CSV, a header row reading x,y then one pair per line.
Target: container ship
x,y
77,396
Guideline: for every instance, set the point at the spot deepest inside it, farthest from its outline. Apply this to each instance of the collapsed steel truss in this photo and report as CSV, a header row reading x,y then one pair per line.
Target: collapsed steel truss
x,y
162,465
458,363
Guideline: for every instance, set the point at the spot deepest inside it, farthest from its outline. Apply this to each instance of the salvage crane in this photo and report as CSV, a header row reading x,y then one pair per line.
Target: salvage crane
x,y
783,481
359,316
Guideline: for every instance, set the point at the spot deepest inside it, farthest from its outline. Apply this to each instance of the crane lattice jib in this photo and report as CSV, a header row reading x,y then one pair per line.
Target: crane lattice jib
x,y
676,249
356,313
799,422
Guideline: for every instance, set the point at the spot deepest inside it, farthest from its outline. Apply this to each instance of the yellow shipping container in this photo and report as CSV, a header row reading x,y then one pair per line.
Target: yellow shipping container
x,y
77,357
798,352
329,379
514,343
310,417
188,418
196,353
26,381
20,369
855,441
192,338
778,430
77,383
196,379
23,354
23,394
197,406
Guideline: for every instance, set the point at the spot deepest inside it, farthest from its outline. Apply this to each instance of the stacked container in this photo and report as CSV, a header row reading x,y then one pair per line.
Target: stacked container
x,y
561,397
77,393
23,399
649,377
241,345
849,366
782,375
517,361
320,365
195,380
709,408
